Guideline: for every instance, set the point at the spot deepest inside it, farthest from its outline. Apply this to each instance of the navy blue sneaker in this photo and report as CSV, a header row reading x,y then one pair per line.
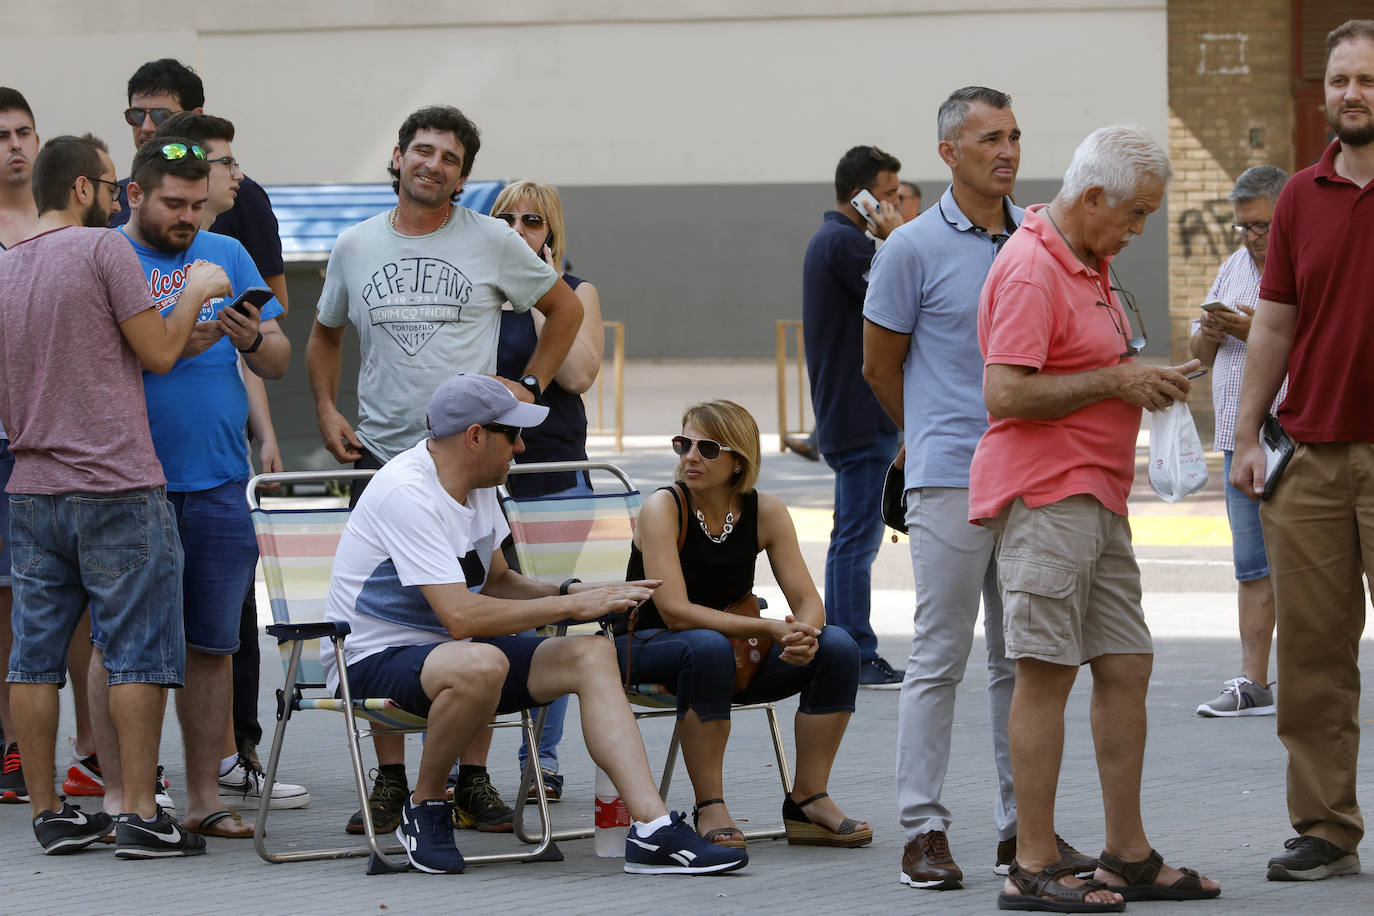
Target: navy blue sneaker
x,y
426,832
70,829
677,850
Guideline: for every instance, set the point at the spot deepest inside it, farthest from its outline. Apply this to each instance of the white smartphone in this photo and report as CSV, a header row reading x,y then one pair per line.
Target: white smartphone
x,y
858,201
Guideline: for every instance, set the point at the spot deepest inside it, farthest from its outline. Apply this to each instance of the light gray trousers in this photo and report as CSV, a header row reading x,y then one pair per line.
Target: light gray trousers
x,y
952,562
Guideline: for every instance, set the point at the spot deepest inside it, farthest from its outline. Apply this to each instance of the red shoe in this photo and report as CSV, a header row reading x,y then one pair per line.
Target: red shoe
x,y
83,778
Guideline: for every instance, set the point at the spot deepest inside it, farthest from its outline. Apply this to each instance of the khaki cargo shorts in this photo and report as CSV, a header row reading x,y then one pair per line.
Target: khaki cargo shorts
x,y
1069,581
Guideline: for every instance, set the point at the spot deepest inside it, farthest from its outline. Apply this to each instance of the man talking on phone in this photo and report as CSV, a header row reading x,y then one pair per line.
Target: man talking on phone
x,y
197,414
857,439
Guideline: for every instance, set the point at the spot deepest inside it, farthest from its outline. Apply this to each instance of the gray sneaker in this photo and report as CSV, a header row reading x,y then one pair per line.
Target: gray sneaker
x,y
1240,696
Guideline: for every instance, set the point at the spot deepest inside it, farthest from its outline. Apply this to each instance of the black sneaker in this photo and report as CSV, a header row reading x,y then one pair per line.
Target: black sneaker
x,y
426,832
1310,858
69,830
387,798
160,838
13,791
877,674
477,805
677,850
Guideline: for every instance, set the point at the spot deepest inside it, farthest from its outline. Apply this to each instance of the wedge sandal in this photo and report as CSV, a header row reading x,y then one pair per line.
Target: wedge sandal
x,y
729,837
802,831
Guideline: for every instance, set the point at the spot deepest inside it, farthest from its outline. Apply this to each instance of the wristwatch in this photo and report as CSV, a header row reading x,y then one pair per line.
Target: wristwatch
x,y
531,384
257,342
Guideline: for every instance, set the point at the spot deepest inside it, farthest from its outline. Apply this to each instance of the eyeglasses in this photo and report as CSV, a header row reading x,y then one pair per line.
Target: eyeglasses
x,y
135,116
510,432
529,220
708,449
113,186
174,152
229,161
1258,230
1134,345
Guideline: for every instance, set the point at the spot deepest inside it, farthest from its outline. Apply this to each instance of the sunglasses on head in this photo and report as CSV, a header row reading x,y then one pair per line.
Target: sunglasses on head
x,y
708,449
135,116
174,152
530,220
510,432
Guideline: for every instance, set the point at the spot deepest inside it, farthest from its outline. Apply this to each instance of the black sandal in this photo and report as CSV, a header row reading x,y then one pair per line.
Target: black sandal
x,y
1140,879
718,835
1044,893
802,831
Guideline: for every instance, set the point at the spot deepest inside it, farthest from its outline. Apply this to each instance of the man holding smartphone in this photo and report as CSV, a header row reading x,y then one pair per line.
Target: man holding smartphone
x,y
200,441
853,434
1218,339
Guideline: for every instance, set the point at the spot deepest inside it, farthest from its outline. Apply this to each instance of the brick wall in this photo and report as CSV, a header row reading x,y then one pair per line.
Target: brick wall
x,y
1230,107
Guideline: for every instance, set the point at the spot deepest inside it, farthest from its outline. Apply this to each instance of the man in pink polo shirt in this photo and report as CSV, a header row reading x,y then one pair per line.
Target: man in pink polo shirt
x,y
1315,323
1052,473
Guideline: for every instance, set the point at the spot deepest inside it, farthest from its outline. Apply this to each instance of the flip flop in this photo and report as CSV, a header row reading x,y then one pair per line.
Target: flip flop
x,y
214,825
1140,879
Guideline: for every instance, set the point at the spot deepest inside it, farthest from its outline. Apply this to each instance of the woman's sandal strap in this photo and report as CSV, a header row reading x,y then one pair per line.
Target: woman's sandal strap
x,y
708,802
817,797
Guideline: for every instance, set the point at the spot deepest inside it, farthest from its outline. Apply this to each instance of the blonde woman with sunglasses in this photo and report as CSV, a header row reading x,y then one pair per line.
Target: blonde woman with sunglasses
x,y
681,637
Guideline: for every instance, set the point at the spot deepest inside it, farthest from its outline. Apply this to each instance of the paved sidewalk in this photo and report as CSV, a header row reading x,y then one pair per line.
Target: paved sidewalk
x,y
1213,789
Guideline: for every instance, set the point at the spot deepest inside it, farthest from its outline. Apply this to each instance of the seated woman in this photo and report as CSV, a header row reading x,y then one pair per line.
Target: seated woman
x,y
681,637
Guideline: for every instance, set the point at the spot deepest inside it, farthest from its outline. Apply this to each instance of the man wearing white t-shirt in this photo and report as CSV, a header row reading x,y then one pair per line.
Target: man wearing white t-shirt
x,y
428,597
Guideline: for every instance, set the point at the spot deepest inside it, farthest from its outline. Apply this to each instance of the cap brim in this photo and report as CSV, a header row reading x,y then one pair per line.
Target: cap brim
x,y
523,415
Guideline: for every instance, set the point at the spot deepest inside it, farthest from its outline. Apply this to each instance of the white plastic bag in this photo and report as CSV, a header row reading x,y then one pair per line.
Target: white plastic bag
x,y
1177,465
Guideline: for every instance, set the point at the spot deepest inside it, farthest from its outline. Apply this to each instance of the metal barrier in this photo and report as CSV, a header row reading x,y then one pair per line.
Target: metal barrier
x,y
803,392
618,377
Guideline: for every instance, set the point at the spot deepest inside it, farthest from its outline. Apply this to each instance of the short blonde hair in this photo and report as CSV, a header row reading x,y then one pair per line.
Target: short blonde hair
x,y
544,200
733,426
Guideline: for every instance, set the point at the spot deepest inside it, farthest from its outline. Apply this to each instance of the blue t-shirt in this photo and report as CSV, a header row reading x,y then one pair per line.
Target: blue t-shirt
x,y
834,280
198,411
925,281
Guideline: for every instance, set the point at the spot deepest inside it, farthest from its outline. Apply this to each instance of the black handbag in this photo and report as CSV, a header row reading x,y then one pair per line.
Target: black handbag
x,y
894,498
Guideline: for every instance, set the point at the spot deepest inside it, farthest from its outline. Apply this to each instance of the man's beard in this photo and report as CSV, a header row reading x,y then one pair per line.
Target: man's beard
x,y
95,216
1362,135
161,239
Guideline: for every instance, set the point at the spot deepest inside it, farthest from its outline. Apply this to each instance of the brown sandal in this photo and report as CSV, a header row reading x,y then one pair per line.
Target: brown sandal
x,y
802,831
1140,879
729,837
1044,893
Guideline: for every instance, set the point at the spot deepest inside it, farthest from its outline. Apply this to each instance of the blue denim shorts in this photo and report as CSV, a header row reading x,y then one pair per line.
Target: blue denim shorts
x,y
116,552
6,469
395,673
1247,537
221,557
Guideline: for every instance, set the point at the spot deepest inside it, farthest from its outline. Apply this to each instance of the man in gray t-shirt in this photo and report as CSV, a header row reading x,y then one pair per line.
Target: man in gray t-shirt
x,y
423,284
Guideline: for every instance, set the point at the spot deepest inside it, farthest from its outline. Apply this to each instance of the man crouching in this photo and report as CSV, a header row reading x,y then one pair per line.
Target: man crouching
x,y
421,581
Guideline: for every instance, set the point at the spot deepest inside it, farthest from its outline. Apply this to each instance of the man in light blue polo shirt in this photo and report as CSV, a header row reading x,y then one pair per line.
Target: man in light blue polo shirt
x,y
922,360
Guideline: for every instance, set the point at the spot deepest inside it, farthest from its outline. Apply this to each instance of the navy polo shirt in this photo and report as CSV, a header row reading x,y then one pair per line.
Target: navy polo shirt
x,y
834,283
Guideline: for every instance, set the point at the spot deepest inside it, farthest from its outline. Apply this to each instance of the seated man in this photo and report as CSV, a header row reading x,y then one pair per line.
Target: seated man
x,y
421,581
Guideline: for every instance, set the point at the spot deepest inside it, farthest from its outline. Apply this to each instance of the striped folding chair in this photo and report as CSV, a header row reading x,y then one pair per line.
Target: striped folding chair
x,y
558,537
297,547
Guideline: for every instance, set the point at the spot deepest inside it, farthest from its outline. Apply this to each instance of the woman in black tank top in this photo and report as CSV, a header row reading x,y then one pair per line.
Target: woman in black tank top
x,y
681,638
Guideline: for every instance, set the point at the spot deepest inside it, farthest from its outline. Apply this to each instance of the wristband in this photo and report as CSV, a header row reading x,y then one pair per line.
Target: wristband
x,y
256,343
563,589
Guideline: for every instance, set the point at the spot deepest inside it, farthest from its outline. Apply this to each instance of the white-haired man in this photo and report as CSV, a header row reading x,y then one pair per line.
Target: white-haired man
x,y
1052,473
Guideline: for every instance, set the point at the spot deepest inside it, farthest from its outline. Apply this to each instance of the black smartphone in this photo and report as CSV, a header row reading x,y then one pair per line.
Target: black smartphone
x,y
256,296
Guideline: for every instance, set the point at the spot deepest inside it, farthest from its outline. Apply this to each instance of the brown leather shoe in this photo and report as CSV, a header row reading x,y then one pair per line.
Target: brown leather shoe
x,y
1083,866
927,863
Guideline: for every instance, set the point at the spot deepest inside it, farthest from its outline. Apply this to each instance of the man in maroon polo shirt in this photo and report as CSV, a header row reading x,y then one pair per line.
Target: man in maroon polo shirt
x,y
1315,323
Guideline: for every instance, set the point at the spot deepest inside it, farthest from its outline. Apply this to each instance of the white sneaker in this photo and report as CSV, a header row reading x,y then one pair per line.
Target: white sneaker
x,y
160,792
243,784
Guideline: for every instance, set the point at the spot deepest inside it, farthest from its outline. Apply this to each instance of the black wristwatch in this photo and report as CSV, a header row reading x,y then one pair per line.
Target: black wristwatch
x,y
257,342
531,384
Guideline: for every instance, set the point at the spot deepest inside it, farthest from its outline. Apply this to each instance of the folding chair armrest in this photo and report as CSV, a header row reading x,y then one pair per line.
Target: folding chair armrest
x,y
289,632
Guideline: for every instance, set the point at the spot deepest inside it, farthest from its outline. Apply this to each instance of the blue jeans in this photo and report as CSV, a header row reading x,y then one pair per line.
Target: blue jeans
x,y
1247,537
699,667
221,556
117,552
856,534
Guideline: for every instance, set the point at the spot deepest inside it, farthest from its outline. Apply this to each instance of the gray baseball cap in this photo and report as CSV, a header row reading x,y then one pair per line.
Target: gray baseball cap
x,y
464,399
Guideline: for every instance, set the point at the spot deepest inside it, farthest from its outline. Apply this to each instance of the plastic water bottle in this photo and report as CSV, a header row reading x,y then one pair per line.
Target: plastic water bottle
x,y
612,818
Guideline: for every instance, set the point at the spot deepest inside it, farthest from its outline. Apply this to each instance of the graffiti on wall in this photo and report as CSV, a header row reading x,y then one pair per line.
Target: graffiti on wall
x,y
1206,231
1222,54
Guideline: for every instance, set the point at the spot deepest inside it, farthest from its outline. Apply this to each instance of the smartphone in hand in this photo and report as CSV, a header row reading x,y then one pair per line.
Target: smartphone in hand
x,y
256,296
858,201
